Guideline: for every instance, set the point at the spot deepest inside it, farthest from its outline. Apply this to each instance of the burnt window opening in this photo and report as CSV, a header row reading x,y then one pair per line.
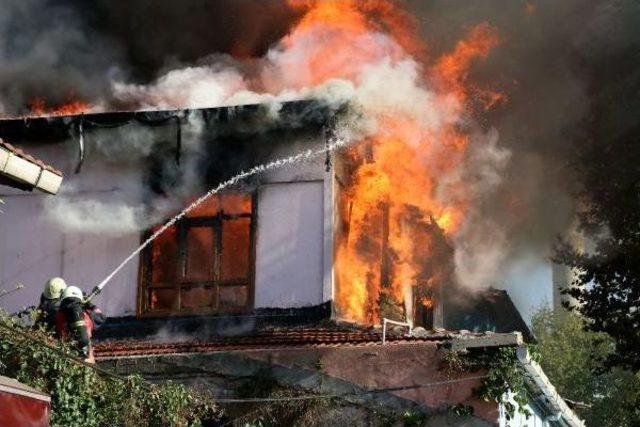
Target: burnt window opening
x,y
433,254
204,263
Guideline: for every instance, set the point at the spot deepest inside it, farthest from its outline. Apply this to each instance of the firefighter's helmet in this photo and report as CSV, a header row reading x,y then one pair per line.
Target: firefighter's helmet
x,y
72,292
54,287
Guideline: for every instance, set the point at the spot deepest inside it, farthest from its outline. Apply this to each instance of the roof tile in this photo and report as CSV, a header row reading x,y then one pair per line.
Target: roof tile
x,y
263,340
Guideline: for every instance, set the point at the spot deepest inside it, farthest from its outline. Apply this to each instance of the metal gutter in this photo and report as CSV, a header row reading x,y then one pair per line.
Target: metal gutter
x,y
560,411
290,114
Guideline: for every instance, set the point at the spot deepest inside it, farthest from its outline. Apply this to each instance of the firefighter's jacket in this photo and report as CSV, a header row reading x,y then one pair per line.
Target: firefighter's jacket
x,y
47,311
73,321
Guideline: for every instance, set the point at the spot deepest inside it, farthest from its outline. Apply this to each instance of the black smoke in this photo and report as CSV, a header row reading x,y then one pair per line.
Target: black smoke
x,y
58,50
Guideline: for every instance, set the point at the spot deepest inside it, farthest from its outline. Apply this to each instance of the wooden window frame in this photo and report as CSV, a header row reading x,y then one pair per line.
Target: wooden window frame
x,y
216,222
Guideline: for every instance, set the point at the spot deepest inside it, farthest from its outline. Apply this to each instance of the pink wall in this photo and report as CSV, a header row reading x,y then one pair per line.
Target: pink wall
x,y
380,366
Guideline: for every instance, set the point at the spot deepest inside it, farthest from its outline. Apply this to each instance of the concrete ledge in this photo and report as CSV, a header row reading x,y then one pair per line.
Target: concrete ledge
x,y
22,170
462,342
49,182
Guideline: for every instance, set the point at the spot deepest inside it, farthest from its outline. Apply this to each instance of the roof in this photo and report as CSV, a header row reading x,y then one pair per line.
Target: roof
x,y
335,337
21,170
252,118
279,339
544,394
263,328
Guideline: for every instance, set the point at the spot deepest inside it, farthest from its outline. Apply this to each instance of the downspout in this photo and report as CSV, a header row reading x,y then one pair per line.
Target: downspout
x,y
535,372
80,131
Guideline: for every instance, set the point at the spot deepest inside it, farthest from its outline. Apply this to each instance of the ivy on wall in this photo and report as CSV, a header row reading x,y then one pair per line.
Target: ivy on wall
x,y
83,396
503,374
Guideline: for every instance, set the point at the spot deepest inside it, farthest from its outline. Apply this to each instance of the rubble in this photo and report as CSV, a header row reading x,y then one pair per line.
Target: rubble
x,y
419,332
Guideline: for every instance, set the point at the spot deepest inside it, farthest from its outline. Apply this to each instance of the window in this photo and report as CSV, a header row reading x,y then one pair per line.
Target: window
x,y
204,263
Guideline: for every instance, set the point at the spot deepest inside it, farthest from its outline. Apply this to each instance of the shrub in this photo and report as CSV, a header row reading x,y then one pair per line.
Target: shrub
x,y
82,395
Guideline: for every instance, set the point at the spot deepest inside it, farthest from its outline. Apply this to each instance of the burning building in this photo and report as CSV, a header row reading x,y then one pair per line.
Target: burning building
x,y
383,227
309,234
391,217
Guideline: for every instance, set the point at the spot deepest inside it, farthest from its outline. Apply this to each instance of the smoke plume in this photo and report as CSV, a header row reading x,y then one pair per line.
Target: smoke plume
x,y
542,65
59,50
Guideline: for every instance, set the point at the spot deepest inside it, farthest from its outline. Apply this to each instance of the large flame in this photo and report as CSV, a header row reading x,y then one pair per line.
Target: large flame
x,y
391,208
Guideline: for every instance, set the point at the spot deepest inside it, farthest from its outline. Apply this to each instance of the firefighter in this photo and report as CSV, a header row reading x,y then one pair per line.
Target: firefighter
x,y
50,303
73,321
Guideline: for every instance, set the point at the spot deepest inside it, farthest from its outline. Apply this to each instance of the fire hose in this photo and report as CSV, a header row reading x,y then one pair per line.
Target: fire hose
x,y
94,293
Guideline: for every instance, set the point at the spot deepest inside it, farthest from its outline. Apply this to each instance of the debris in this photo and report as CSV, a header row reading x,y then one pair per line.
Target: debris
x,y
398,330
419,332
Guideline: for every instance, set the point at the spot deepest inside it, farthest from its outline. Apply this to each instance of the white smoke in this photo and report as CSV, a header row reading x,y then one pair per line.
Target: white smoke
x,y
396,88
481,244
78,214
334,92
112,198
191,87
385,81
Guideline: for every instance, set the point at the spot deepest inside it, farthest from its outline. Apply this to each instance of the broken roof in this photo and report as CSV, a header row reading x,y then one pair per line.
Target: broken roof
x,y
489,309
21,170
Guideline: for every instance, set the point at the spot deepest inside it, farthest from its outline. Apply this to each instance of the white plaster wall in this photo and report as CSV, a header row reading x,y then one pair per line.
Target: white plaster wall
x,y
294,234
535,419
88,260
313,169
33,248
293,247
30,249
289,246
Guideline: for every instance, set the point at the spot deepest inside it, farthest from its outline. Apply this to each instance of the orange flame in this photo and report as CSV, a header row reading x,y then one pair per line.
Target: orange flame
x,y
396,174
426,302
38,107
337,38
451,71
